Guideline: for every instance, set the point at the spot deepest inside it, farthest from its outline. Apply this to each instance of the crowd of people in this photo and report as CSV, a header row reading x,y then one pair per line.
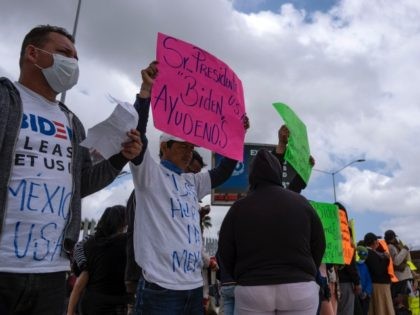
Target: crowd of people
x,y
381,281
147,257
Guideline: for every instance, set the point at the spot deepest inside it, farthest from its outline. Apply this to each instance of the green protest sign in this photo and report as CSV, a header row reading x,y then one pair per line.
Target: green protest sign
x,y
328,213
297,152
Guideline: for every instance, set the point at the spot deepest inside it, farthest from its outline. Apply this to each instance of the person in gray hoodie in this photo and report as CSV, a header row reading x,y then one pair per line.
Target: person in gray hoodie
x,y
271,242
44,173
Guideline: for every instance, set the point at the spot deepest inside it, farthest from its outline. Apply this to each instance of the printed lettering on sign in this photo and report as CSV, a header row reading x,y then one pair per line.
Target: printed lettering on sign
x,y
328,213
198,98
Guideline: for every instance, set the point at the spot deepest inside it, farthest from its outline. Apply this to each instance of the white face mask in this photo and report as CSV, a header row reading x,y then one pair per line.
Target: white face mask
x,y
63,74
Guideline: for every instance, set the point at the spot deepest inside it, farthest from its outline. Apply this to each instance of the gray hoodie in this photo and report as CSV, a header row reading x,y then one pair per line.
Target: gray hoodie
x,y
87,178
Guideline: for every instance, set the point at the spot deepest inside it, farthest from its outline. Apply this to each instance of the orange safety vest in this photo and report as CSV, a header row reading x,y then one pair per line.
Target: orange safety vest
x,y
348,248
390,264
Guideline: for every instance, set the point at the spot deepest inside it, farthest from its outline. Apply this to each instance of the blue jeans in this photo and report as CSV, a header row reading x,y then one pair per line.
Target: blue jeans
x,y
227,292
32,293
152,299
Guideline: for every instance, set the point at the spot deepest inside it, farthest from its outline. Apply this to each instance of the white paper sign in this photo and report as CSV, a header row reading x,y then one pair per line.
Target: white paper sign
x,y
107,136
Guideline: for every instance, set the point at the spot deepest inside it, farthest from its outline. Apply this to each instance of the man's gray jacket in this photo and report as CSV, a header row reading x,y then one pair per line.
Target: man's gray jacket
x,y
87,178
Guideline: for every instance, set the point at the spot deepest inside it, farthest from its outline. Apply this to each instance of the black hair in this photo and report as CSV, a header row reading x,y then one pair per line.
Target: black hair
x,y
112,220
169,145
389,236
38,36
341,207
369,239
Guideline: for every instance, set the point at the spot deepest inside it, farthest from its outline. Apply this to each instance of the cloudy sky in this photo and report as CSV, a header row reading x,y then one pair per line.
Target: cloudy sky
x,y
349,69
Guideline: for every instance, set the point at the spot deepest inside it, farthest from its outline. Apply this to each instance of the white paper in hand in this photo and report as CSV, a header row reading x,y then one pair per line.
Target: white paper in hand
x,y
107,136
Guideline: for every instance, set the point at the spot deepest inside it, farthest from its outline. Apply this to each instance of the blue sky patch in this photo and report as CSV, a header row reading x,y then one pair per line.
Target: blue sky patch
x,y
255,6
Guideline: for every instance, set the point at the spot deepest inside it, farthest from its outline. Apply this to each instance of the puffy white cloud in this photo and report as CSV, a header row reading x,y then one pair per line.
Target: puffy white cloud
x,y
370,191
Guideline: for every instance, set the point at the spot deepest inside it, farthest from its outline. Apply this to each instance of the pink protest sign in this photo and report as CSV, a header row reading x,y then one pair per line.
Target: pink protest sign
x,y
197,97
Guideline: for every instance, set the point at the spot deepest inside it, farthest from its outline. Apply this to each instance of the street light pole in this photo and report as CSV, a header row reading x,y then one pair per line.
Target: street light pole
x,y
76,21
333,173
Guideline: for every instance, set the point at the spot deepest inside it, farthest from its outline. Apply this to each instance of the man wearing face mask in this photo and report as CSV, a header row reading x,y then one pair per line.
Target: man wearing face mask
x,y
44,173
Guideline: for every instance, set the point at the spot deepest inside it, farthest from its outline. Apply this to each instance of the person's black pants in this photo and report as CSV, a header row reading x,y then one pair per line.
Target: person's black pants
x,y
32,293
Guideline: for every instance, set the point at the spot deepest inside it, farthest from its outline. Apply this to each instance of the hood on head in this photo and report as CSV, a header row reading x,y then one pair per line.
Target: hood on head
x,y
264,169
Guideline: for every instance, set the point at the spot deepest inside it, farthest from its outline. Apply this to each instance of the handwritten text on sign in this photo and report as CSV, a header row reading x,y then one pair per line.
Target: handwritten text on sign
x,y
198,98
328,213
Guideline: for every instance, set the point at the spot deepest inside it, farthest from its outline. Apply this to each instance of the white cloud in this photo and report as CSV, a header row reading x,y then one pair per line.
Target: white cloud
x,y
116,194
366,190
403,226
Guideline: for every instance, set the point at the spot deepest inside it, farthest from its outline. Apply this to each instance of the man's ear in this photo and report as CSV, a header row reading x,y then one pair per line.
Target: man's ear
x,y
31,53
